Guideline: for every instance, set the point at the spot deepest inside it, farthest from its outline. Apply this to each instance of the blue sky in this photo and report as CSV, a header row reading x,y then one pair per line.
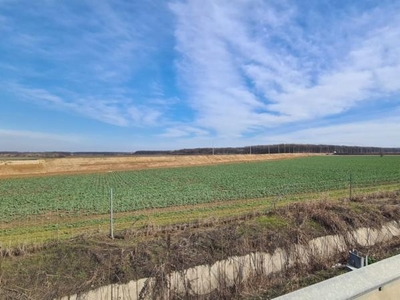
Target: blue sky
x,y
88,75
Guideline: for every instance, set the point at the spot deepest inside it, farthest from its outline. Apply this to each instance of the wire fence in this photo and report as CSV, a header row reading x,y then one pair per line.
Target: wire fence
x,y
39,211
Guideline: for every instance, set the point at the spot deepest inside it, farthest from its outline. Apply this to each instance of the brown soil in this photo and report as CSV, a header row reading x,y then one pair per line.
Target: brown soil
x,y
73,165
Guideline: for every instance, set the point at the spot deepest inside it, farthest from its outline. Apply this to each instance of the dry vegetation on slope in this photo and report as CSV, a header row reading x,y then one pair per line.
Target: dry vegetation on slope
x,y
87,262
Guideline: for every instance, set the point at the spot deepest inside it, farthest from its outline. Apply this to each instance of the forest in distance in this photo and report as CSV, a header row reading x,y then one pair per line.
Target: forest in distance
x,y
256,149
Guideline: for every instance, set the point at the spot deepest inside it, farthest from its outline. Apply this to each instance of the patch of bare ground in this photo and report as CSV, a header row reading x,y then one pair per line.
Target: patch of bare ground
x,y
76,165
89,261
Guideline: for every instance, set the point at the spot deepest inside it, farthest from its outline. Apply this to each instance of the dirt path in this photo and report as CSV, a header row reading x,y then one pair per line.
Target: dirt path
x,y
73,165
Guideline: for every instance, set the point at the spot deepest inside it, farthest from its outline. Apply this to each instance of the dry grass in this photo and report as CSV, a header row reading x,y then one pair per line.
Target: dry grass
x,y
72,165
89,261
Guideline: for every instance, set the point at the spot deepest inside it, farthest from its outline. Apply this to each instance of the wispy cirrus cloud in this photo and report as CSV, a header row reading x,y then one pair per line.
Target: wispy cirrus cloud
x,y
119,111
107,42
86,58
253,66
384,133
184,132
187,73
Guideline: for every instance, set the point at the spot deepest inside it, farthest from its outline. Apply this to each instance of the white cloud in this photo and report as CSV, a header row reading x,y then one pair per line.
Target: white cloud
x,y
144,115
101,42
118,111
334,94
380,133
184,131
248,67
245,68
81,62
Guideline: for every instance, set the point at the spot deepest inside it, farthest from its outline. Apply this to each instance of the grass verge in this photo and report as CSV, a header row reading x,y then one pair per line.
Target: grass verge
x,y
34,231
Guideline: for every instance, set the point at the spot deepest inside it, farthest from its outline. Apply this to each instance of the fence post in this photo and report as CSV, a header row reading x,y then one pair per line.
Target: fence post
x,y
351,187
111,215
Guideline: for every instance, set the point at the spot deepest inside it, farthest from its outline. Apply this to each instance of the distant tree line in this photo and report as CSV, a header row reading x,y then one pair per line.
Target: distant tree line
x,y
279,148
258,149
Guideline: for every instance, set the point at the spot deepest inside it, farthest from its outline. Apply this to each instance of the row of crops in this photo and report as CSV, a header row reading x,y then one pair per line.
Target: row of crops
x,y
135,190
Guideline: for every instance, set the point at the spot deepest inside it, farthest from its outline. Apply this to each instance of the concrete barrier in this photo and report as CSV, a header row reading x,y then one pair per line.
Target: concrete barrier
x,y
379,281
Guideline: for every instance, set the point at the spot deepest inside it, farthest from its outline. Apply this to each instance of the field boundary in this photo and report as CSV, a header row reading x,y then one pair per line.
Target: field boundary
x,y
37,210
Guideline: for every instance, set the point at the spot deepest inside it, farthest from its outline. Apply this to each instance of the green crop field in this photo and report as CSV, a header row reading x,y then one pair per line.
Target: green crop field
x,y
136,190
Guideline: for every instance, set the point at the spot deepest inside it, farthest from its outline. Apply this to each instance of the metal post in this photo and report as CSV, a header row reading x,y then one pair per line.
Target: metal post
x,y
111,215
351,187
